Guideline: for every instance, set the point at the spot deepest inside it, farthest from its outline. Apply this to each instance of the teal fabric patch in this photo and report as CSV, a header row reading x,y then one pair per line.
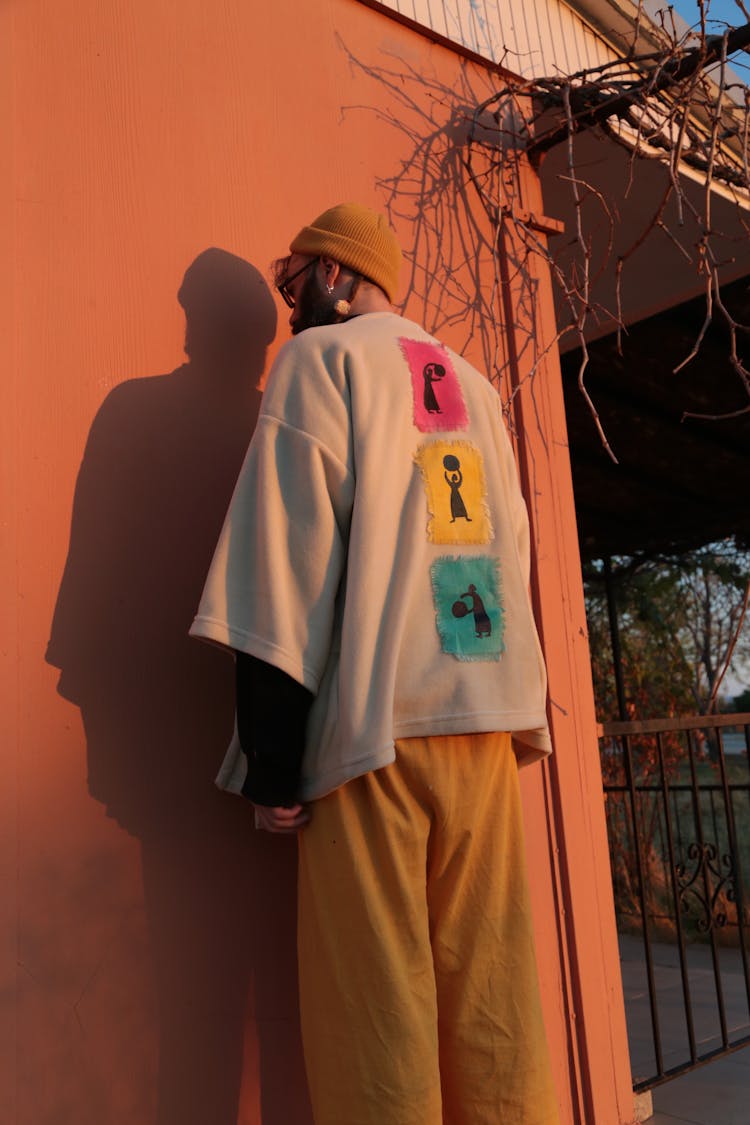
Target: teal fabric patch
x,y
469,607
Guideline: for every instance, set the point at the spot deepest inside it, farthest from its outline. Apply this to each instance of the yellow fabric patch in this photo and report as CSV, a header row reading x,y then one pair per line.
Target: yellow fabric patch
x,y
453,475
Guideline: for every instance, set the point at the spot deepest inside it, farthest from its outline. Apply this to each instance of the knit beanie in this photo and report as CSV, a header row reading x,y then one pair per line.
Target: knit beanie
x,y
358,238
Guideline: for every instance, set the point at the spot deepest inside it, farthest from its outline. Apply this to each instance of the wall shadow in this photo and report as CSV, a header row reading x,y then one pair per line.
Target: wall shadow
x,y
157,474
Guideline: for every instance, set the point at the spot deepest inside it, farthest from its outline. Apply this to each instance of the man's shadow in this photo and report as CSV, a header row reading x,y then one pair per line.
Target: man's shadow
x,y
157,474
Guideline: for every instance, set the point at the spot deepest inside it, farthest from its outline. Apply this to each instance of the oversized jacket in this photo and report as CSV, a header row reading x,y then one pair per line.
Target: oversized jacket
x,y
376,549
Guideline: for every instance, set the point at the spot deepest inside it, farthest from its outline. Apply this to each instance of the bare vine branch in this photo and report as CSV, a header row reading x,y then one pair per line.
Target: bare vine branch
x,y
461,187
661,106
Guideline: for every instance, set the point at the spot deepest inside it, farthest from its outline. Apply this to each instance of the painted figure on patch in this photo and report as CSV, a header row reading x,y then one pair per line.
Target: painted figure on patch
x,y
452,465
481,604
482,623
432,373
438,398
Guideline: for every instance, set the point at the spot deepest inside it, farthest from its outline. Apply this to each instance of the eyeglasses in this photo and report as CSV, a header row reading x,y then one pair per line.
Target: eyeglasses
x,y
282,286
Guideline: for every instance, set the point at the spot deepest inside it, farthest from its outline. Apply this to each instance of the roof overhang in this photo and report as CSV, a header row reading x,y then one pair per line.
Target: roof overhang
x,y
680,481
627,26
661,267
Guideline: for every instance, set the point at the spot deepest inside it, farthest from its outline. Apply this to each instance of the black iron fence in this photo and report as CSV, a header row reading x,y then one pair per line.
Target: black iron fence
x,y
677,796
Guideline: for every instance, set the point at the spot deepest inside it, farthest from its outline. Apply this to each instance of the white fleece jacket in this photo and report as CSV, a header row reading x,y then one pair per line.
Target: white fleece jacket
x,y
376,549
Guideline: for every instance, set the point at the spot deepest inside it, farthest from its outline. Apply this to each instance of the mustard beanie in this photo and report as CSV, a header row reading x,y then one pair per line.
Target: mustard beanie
x,y
358,238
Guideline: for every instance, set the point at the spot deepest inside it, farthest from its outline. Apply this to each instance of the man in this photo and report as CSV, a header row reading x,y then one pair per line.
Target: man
x,y
389,681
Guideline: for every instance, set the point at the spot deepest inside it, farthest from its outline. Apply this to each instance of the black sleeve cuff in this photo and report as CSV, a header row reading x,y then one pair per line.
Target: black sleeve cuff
x,y
272,711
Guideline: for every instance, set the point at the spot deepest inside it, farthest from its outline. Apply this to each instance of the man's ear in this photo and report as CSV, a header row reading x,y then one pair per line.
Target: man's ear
x,y
331,270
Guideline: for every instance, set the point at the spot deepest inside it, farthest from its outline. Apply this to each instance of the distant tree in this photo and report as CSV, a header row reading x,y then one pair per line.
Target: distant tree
x,y
741,702
714,585
682,623
679,624
656,681
655,673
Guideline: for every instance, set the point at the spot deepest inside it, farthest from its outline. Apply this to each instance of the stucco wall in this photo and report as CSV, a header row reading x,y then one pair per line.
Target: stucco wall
x,y
151,967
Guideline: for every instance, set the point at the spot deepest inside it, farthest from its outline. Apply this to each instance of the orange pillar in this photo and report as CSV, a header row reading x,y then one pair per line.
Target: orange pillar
x,y
566,793
9,738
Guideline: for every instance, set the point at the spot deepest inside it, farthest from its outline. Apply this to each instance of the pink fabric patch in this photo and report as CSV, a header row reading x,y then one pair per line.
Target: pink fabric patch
x,y
438,401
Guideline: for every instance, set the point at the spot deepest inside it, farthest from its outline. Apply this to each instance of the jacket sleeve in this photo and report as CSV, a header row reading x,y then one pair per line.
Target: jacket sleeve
x,y
272,711
272,588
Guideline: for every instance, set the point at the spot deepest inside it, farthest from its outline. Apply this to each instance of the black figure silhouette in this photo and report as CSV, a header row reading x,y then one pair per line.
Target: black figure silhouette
x,y
454,481
432,373
482,623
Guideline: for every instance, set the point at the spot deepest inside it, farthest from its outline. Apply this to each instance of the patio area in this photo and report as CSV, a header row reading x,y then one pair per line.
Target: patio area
x,y
717,1093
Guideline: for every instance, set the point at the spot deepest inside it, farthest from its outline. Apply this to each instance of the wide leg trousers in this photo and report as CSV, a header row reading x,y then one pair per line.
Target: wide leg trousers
x,y
418,987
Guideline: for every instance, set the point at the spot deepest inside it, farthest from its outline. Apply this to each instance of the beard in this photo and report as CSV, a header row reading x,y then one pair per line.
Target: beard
x,y
315,306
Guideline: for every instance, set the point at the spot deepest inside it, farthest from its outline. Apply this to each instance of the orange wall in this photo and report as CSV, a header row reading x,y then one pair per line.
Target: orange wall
x,y
154,927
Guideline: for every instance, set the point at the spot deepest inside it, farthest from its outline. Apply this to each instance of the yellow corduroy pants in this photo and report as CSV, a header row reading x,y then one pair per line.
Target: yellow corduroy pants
x,y
418,987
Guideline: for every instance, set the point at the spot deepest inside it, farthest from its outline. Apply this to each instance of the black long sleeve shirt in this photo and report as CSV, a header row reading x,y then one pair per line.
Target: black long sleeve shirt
x,y
272,711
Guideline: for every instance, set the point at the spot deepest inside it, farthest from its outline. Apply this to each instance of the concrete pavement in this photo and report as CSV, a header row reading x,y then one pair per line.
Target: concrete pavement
x,y
717,1093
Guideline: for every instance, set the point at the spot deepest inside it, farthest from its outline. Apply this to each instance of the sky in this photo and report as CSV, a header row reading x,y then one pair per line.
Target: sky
x,y
721,11
719,14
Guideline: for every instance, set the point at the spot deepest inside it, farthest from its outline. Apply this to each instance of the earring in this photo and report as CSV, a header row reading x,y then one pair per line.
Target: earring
x,y
329,289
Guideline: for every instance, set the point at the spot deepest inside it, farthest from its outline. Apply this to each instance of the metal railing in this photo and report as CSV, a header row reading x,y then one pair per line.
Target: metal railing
x,y
677,794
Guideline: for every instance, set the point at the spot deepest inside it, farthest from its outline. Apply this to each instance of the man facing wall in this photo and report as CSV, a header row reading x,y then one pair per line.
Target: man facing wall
x,y
372,578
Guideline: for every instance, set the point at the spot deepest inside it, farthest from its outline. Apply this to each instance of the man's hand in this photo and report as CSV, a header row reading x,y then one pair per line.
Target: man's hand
x,y
278,818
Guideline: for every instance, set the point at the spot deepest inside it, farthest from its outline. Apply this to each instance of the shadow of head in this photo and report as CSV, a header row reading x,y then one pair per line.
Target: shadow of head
x,y
229,311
